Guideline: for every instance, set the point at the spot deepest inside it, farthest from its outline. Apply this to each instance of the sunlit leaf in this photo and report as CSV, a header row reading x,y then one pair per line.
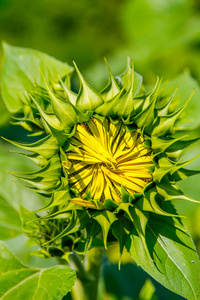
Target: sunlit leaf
x,y
20,282
169,256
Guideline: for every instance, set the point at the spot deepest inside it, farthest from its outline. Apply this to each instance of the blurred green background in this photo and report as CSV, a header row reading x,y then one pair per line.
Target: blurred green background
x,y
161,36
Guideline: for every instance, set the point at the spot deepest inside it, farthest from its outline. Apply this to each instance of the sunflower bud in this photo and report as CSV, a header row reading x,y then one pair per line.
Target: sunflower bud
x,y
110,162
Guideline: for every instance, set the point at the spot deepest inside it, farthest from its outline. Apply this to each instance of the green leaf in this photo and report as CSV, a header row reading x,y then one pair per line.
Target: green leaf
x,y
21,69
10,225
20,282
171,258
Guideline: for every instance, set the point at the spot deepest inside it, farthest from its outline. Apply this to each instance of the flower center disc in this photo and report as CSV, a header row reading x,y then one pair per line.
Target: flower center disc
x,y
105,157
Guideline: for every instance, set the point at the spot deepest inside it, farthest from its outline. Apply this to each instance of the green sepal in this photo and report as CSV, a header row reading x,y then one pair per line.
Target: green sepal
x,y
41,185
163,105
110,204
125,208
149,203
60,196
130,78
78,221
183,173
68,93
54,126
165,166
112,89
64,211
63,110
52,123
41,253
37,159
190,117
172,147
46,179
93,229
46,147
121,229
88,99
176,149
51,169
125,195
29,220
171,192
145,119
107,108
179,165
28,124
105,219
127,104
164,124
38,133
160,145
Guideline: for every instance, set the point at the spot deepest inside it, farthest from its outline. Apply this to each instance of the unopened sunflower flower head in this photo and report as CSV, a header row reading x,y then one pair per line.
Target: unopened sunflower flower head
x,y
109,161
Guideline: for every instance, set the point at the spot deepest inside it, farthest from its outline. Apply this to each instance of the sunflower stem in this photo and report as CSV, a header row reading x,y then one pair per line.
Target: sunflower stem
x,y
88,273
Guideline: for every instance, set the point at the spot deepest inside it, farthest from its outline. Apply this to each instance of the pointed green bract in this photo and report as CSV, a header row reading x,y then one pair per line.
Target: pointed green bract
x,y
112,89
46,147
130,79
105,220
185,83
87,99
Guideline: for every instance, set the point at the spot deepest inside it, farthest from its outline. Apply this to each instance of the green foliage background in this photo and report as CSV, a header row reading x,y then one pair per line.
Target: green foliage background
x,y
161,36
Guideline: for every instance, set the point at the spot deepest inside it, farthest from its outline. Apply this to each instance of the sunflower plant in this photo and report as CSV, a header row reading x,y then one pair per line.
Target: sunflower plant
x,y
109,163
